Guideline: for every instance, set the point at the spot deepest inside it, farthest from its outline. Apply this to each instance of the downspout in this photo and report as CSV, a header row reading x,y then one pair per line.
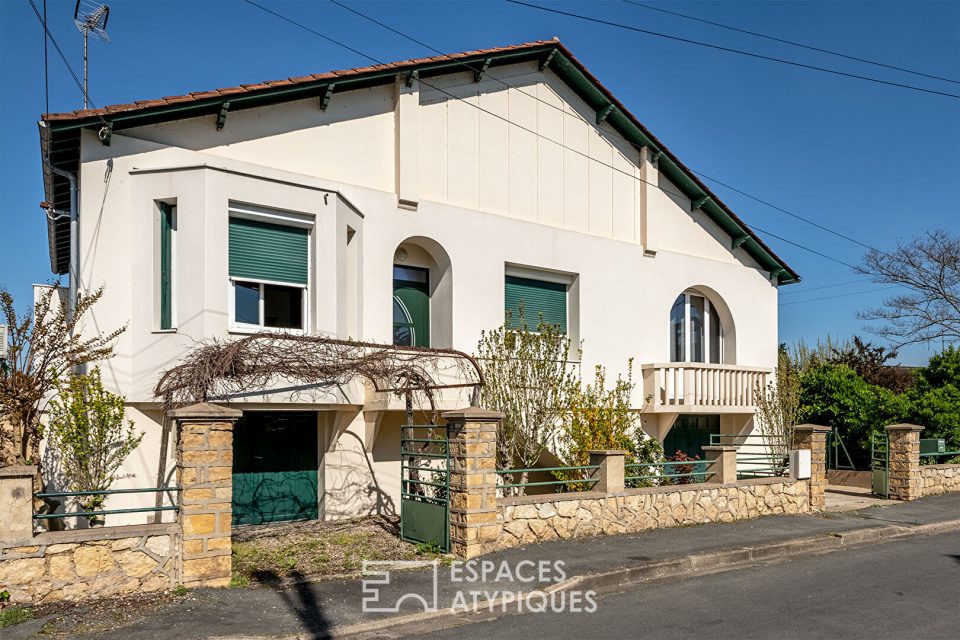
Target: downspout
x,y
74,269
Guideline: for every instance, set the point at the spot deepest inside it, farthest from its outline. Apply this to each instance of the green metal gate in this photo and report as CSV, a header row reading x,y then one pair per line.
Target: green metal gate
x,y
836,447
425,484
879,464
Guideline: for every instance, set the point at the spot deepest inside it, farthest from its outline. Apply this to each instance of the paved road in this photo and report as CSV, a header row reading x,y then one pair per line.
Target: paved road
x,y
903,590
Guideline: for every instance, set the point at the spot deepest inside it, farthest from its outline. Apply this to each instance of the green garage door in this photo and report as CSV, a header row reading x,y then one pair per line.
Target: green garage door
x,y
275,467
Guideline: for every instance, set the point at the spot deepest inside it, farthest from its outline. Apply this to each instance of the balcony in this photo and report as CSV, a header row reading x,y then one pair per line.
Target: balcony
x,y
697,387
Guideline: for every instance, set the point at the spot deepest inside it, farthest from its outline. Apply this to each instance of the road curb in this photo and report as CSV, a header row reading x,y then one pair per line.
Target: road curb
x,y
679,567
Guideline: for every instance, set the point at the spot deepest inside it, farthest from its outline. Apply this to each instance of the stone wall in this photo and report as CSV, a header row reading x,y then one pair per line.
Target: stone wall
x,y
529,519
939,478
85,563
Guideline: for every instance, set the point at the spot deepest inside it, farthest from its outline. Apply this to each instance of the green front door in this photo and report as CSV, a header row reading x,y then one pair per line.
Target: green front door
x,y
411,306
275,467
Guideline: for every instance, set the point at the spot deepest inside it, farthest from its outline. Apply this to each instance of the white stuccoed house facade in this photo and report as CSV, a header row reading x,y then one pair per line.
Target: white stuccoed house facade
x,y
411,203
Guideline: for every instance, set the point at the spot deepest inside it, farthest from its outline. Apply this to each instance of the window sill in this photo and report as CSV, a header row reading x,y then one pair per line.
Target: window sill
x,y
164,331
250,330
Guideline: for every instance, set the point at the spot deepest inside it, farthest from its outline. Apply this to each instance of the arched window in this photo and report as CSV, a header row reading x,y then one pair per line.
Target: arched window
x,y
696,334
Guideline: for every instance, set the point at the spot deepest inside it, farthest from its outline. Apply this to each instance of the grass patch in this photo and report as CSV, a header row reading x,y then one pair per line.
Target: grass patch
x,y
267,554
15,614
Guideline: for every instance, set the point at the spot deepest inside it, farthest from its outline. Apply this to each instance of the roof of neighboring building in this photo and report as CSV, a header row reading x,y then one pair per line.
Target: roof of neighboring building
x,y
60,132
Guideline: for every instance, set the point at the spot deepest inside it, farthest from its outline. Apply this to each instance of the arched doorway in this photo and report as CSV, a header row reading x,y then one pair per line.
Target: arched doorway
x,y
422,294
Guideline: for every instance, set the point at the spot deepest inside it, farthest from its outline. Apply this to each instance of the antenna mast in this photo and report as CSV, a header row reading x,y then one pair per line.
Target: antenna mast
x,y
91,19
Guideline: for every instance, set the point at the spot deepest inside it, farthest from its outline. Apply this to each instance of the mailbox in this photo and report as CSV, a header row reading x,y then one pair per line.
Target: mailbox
x,y
933,445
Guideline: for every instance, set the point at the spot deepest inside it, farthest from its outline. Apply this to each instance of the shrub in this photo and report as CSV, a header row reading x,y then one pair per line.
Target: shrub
x,y
834,395
87,430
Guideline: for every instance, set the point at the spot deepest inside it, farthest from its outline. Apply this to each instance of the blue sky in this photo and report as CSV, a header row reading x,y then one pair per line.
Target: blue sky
x,y
876,163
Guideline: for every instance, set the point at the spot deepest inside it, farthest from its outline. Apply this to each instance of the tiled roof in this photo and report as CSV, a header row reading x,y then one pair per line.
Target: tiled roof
x,y
81,114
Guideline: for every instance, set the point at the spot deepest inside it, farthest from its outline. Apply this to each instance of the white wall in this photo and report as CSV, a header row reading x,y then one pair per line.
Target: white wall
x,y
486,192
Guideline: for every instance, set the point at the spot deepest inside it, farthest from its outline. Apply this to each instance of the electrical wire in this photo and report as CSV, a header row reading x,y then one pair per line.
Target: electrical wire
x,y
790,42
842,295
825,286
523,128
56,46
731,50
612,132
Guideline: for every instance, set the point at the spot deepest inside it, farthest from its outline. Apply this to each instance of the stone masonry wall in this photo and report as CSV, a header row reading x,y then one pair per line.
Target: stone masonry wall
x,y
938,479
529,519
85,563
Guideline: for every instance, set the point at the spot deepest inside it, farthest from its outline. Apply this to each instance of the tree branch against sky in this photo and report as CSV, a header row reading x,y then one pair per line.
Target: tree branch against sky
x,y
928,266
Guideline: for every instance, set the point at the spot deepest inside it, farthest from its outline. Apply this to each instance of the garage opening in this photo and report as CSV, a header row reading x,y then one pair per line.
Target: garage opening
x,y
275,467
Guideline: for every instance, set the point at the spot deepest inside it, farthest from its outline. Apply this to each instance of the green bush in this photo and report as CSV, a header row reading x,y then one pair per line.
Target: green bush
x,y
834,395
934,402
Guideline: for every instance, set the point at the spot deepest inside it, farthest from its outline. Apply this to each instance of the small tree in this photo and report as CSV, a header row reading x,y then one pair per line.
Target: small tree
x,y
88,431
44,346
527,377
778,405
928,266
870,363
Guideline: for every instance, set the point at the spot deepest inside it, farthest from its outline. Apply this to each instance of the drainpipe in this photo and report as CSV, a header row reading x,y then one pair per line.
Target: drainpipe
x,y
74,243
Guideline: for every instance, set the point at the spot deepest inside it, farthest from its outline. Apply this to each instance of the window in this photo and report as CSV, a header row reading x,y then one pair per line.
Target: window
x,y
696,334
269,273
540,299
168,225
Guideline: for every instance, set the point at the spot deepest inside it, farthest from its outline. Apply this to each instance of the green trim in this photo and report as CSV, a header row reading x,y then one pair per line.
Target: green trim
x,y
166,265
540,300
266,251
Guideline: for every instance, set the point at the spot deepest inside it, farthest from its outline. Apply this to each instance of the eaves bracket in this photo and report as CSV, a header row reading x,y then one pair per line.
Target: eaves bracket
x,y
606,111
222,116
548,60
698,203
325,100
738,241
479,73
412,77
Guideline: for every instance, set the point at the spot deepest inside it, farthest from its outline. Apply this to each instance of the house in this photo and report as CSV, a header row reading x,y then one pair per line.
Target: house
x,y
409,203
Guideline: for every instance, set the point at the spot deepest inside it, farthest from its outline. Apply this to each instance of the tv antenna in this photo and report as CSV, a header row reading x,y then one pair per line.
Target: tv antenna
x,y
91,19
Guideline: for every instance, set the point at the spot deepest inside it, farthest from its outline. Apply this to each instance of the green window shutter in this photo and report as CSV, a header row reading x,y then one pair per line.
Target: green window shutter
x,y
166,266
265,251
538,297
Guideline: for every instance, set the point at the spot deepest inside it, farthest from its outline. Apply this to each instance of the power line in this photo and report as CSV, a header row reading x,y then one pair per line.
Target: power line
x,y
825,286
842,295
56,46
613,132
731,50
790,42
46,66
528,130
789,213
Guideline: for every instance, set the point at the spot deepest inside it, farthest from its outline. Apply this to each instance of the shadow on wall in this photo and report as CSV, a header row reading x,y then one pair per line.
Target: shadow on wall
x,y
352,486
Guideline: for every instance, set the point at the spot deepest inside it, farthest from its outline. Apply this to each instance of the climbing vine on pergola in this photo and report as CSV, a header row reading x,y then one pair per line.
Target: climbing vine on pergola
x,y
221,369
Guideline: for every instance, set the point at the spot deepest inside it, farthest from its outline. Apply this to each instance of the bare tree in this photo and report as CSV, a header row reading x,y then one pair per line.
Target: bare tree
x,y
778,405
44,346
929,267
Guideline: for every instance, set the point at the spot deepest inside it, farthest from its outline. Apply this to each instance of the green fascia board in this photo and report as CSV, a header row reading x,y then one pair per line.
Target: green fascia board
x,y
570,72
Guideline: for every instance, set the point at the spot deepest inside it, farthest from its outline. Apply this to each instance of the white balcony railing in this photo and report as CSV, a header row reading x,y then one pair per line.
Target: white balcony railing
x,y
697,386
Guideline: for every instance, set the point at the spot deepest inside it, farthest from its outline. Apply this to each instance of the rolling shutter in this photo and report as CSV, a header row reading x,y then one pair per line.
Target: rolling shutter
x,y
265,251
540,299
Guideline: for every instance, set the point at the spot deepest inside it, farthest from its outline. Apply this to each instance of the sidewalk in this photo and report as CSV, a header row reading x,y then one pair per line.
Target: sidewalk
x,y
322,609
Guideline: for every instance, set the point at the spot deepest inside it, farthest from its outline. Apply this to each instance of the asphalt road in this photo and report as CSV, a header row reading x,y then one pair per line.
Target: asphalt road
x,y
900,590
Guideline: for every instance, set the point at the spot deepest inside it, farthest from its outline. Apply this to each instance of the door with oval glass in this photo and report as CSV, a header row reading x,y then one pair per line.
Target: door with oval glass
x,y
411,306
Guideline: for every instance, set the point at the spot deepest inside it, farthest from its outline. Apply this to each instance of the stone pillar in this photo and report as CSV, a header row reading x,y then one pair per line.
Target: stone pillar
x,y
813,437
205,477
903,472
16,503
473,479
722,463
610,474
